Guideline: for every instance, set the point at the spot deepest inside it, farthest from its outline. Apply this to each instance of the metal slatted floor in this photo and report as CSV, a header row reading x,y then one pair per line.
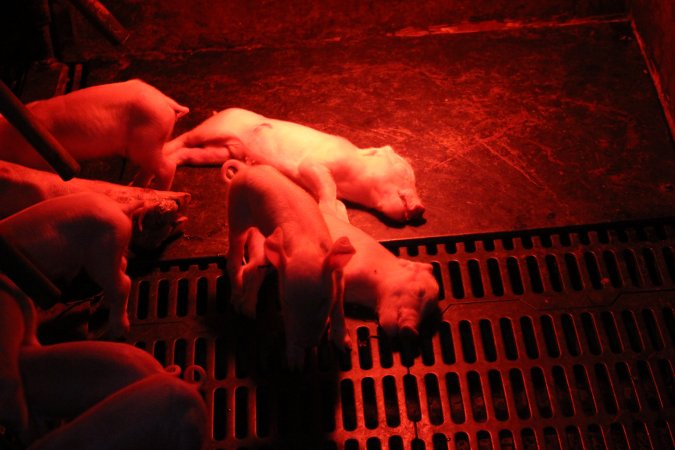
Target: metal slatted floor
x,y
551,338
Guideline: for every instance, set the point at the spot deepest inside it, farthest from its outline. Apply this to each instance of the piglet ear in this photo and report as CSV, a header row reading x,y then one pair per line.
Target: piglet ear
x,y
274,248
340,254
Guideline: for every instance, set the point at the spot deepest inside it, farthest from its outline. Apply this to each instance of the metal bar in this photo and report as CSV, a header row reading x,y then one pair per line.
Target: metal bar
x,y
35,133
103,20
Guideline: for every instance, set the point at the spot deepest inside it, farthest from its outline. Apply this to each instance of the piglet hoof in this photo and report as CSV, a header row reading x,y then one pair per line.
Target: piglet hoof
x,y
342,341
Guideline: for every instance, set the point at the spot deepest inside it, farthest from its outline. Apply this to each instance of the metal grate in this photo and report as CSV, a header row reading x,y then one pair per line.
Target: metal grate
x,y
554,338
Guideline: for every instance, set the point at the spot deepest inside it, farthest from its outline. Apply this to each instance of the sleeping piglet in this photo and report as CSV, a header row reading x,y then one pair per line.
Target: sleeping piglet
x,y
272,219
78,232
328,166
402,292
130,119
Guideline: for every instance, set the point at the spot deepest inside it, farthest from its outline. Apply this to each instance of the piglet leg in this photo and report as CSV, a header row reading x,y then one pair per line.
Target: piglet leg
x,y
253,271
338,329
115,285
318,180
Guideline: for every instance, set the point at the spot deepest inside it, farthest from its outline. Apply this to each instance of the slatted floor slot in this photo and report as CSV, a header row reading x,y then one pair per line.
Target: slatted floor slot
x,y
548,339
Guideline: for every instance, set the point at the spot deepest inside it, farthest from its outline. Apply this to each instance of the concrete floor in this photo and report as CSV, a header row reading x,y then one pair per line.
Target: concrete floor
x,y
511,129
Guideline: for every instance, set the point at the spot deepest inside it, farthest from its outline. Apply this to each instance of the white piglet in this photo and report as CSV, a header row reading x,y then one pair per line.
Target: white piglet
x,y
79,232
130,119
272,219
402,292
328,166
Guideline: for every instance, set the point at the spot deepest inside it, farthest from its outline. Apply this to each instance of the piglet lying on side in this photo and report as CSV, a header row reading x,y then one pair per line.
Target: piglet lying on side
x,y
65,235
130,119
402,292
272,219
156,215
328,166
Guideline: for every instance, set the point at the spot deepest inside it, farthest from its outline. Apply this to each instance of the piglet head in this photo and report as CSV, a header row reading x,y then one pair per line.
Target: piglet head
x,y
391,184
155,222
307,291
408,298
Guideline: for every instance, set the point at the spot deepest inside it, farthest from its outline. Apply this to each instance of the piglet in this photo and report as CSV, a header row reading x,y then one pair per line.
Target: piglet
x,y
402,292
79,232
328,166
272,219
130,119
156,215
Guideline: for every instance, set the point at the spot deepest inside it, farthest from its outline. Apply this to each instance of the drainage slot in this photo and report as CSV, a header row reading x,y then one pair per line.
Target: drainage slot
x,y
594,435
496,282
222,293
498,395
488,340
583,390
348,405
461,441
241,412
640,435
455,398
541,392
588,325
484,441
648,386
593,270
626,387
142,306
669,319
219,414
519,394
395,443
427,350
220,357
554,273
373,444
468,347
447,345
363,345
612,268
514,276
571,338
573,271
652,329
605,386
562,391
666,374
391,410
475,278
412,398
180,353
182,298
551,440
508,338
200,352
456,280
535,276
631,327
436,269
618,436
550,338
369,403
433,399
159,352
632,266
163,299
384,349
476,396
573,438
506,440
609,325
529,439
202,296
528,337
669,259
652,268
